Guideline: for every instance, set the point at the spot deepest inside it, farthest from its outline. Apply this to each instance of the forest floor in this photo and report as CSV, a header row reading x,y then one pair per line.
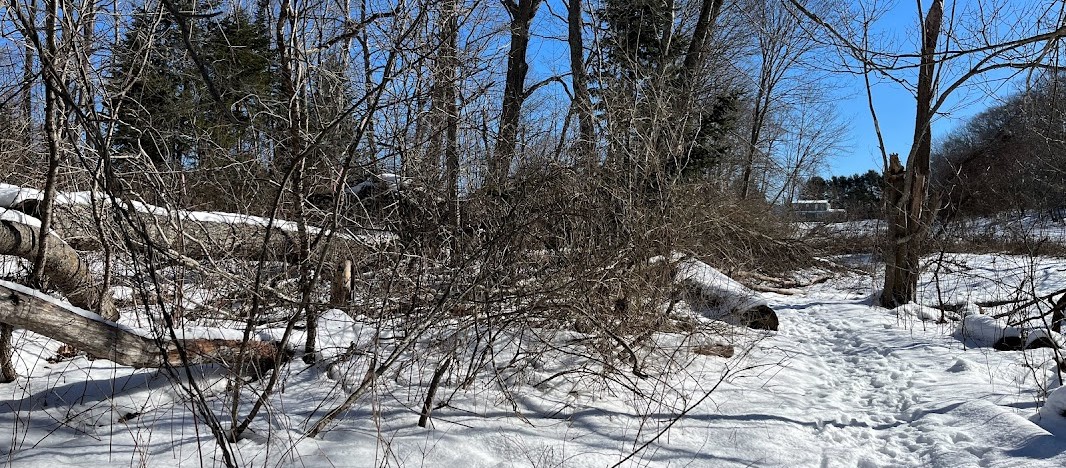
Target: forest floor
x,y
842,383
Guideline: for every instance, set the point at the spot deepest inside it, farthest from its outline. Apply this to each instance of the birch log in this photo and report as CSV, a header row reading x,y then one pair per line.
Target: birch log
x,y
715,295
66,271
31,310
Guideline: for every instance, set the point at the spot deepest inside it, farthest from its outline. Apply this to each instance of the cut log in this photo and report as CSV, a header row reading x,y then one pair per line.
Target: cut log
x,y
341,289
717,296
32,310
66,271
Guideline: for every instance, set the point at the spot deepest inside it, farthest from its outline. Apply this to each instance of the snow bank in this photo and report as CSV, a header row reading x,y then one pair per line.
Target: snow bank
x,y
19,217
1043,338
717,296
985,331
11,195
981,433
1054,408
973,278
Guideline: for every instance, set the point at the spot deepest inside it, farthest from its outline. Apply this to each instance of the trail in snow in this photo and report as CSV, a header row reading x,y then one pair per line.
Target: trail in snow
x,y
859,387
842,384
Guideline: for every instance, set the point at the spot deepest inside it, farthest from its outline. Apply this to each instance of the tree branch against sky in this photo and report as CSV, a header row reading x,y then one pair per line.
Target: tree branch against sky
x,y
959,45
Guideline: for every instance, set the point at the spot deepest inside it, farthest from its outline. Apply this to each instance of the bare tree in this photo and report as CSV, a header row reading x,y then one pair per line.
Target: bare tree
x,y
514,93
782,46
582,102
952,54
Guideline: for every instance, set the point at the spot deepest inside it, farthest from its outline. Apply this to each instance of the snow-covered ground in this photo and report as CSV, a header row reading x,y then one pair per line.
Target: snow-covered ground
x,y
1045,227
843,383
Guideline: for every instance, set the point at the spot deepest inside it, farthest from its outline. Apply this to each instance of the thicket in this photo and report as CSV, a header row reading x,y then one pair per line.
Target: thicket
x,y
403,172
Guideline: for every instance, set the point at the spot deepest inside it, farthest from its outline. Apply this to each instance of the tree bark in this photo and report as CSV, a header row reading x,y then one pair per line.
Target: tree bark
x,y
7,367
53,112
66,271
192,234
709,10
514,93
341,288
23,308
448,83
582,105
906,211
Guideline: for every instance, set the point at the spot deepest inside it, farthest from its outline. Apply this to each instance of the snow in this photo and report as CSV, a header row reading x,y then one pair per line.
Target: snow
x,y
1054,409
11,195
961,278
1046,336
919,311
19,217
843,384
394,181
982,330
717,289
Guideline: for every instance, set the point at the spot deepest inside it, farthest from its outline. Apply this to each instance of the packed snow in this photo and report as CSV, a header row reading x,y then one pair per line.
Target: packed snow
x,y
843,383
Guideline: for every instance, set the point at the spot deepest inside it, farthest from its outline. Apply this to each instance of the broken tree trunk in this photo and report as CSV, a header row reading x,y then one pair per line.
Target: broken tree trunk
x,y
341,288
717,296
66,271
31,310
907,209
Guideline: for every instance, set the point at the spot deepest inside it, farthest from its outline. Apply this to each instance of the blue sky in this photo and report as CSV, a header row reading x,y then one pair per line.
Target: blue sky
x,y
894,104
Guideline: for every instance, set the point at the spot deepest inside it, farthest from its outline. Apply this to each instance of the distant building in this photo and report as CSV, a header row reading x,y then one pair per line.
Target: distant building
x,y
816,210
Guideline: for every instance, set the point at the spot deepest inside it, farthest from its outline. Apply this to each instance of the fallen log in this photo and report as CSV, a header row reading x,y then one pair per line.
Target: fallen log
x,y
20,237
32,310
715,295
198,235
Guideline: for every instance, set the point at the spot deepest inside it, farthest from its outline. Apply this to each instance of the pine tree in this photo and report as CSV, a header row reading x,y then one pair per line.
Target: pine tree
x,y
167,112
642,77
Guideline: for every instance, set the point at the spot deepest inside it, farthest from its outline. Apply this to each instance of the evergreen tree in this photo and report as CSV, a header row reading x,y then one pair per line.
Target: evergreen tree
x,y
858,194
638,40
167,111
641,78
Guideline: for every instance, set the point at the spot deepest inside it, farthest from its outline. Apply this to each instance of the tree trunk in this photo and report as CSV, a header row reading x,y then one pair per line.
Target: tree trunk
x,y
709,10
582,105
28,76
757,118
907,215
53,112
196,235
341,288
448,81
715,295
514,93
66,271
7,367
24,308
